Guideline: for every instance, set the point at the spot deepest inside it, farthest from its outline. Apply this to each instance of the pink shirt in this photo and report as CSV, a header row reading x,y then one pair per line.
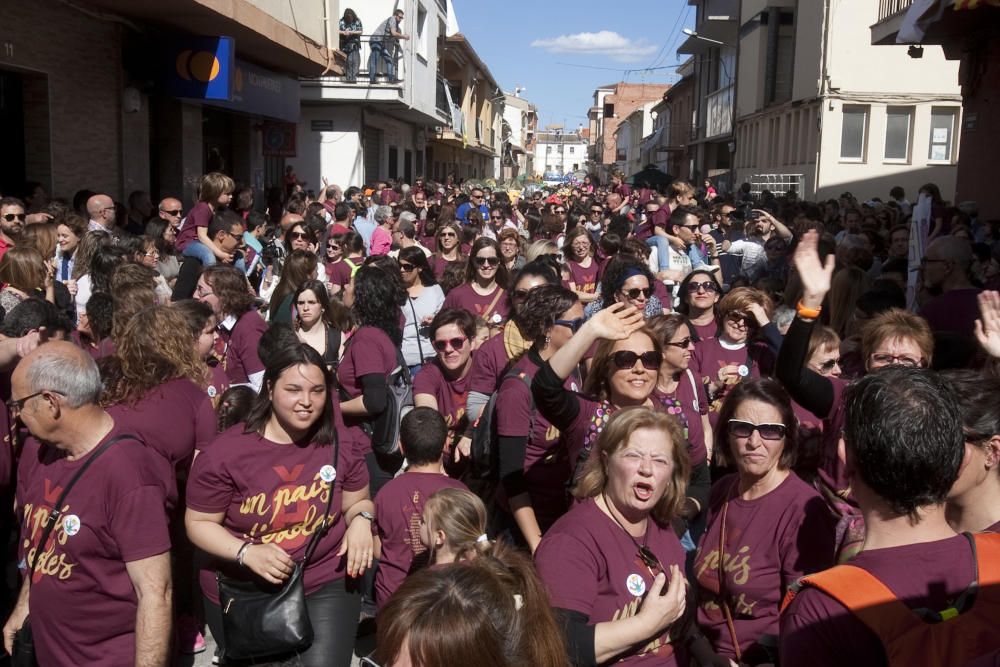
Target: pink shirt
x,y
381,241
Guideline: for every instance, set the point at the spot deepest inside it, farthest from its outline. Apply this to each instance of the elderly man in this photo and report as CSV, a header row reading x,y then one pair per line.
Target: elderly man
x,y
172,211
11,222
101,210
100,593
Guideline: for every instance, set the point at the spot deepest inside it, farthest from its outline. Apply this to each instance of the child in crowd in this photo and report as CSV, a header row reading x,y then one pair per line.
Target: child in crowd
x,y
453,527
399,505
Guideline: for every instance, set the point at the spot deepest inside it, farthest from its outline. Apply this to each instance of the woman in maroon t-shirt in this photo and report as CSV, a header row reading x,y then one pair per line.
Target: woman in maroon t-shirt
x,y
446,240
443,385
484,292
579,251
613,565
765,526
204,327
700,291
258,495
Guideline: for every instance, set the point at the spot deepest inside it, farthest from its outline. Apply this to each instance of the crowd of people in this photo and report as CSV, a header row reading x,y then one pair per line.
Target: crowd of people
x,y
594,424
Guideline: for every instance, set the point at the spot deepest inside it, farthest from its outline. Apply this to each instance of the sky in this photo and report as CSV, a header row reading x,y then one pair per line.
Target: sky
x,y
529,43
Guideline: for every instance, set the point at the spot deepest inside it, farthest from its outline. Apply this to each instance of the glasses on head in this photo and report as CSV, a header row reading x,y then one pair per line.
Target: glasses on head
x,y
896,360
406,267
455,344
708,286
682,343
828,365
174,213
299,236
744,429
572,325
486,261
10,217
625,359
16,405
635,292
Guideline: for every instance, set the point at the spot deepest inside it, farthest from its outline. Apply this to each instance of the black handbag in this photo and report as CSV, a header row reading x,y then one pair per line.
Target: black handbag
x,y
262,620
22,652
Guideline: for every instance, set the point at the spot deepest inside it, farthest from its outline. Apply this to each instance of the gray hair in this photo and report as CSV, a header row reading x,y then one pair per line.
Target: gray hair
x,y
407,228
382,213
76,378
407,216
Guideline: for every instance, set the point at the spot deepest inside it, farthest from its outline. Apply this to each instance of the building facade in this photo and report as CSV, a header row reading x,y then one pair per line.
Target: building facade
x,y
629,138
612,104
520,123
559,154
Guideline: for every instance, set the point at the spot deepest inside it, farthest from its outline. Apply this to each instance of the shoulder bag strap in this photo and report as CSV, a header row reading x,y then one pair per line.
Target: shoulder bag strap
x,y
56,512
493,303
723,602
322,528
416,327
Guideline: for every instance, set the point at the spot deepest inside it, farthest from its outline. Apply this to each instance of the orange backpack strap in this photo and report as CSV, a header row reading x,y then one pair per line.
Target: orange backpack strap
x,y
867,598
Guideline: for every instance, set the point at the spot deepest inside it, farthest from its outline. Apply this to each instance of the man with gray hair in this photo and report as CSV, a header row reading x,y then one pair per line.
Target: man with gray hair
x,y
100,589
405,235
385,221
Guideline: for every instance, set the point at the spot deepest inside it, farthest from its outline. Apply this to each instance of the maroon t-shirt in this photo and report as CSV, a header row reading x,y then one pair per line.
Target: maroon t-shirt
x,y
585,279
832,468
241,360
704,331
710,356
955,311
818,631
488,365
590,565
464,296
82,602
399,510
276,493
688,407
199,216
547,458
339,273
770,542
369,351
439,264
217,385
450,396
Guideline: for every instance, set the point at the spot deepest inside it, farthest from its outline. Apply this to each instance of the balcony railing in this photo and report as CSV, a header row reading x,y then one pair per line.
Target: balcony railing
x,y
365,55
889,8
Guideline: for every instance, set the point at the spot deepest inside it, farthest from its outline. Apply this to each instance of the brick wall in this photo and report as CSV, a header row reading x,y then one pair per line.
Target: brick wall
x,y
79,56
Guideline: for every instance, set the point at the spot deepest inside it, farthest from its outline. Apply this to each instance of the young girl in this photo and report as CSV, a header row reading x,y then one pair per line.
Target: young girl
x,y
453,527
192,239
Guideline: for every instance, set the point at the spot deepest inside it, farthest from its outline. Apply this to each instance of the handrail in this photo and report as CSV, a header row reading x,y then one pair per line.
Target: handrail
x,y
889,8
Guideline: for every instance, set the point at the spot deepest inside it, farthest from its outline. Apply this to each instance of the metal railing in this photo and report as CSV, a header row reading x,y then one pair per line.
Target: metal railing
x,y
365,55
779,184
889,8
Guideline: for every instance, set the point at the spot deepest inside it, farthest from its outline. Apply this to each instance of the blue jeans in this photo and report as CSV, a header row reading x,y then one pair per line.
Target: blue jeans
x,y
662,246
381,54
201,252
694,254
353,65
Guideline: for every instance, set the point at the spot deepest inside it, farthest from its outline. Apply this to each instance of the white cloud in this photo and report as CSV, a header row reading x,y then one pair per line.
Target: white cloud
x,y
604,43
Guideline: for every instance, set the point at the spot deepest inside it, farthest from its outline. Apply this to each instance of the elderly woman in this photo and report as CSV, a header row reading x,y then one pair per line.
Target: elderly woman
x,y
766,527
700,292
613,565
261,492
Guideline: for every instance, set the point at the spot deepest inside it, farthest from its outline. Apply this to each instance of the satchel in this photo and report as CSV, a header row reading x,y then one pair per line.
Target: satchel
x,y
262,620
22,652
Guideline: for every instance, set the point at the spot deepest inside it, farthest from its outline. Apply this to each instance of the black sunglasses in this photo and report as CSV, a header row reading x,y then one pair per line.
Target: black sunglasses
x,y
177,212
13,216
406,266
625,359
682,344
299,235
828,365
484,261
636,291
519,293
743,429
572,325
650,560
455,343
708,286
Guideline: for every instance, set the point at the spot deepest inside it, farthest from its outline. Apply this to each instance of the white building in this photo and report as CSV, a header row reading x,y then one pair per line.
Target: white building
x,y
629,138
558,154
520,122
352,133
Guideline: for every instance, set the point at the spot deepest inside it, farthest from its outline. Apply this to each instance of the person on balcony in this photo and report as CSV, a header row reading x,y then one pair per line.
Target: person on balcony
x,y
384,43
350,42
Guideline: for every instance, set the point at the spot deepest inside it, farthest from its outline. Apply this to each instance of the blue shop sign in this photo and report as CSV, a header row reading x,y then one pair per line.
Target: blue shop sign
x,y
261,92
202,68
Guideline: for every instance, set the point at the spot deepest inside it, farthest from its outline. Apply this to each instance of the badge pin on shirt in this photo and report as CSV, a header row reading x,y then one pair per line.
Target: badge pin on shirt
x,y
328,473
636,585
71,524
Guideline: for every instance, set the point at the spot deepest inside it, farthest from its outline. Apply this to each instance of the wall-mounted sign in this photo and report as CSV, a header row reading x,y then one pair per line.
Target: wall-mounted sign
x,y
200,67
321,125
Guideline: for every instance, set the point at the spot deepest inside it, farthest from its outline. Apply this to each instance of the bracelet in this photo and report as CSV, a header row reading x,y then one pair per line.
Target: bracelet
x,y
806,312
242,552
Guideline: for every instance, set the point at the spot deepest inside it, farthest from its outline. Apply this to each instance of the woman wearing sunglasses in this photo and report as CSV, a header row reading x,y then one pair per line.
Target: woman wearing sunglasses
x,y
627,280
424,299
300,237
700,291
446,241
766,527
534,461
612,565
735,355
483,293
443,384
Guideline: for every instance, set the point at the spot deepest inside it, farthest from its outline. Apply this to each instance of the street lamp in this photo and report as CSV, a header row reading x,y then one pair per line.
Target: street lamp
x,y
692,33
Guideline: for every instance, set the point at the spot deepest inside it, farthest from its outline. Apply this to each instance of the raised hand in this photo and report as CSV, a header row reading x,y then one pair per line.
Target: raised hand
x,y
814,274
988,324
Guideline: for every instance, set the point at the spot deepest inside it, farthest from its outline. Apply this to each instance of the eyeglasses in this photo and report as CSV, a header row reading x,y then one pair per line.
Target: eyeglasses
x,y
520,293
496,217
634,293
560,210
369,661
406,267
625,359
172,213
828,365
447,234
151,253
10,217
332,246
455,344
201,291
682,343
898,360
707,286
742,429
486,261
15,406
597,211
738,318
298,236
572,325
694,226
649,559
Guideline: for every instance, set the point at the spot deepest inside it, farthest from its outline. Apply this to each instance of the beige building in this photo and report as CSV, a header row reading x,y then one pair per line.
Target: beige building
x,y
821,110
612,104
629,137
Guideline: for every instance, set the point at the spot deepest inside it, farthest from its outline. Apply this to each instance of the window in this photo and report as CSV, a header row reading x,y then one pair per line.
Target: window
x,y
942,134
548,167
609,110
571,149
853,133
548,150
422,31
898,121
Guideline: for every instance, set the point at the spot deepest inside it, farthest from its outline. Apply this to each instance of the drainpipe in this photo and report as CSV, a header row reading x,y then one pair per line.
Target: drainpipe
x,y
735,109
327,36
824,83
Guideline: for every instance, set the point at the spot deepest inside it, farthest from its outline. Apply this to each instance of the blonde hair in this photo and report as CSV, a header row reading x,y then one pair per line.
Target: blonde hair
x,y
461,516
823,338
740,299
616,435
214,185
897,323
539,248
